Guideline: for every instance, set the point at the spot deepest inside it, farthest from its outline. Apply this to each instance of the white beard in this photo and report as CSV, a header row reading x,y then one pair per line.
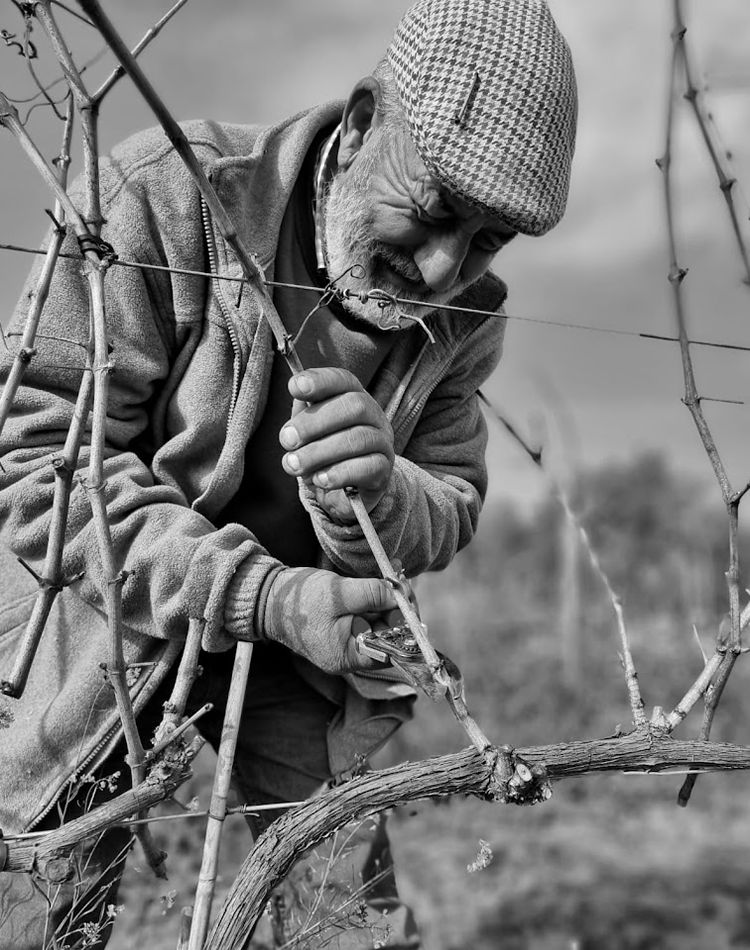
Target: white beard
x,y
354,259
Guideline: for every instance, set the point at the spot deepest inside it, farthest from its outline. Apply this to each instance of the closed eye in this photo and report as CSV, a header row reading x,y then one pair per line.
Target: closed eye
x,y
491,242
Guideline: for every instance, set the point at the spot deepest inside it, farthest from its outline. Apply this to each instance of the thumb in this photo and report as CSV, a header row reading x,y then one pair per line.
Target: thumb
x,y
368,595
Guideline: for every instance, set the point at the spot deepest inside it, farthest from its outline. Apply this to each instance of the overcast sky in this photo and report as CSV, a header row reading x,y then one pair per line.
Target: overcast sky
x,y
604,266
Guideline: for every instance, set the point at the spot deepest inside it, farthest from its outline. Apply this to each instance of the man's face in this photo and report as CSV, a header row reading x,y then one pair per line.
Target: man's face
x,y
412,238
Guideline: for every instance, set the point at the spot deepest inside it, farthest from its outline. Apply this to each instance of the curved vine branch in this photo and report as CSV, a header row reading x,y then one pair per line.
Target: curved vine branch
x,y
647,749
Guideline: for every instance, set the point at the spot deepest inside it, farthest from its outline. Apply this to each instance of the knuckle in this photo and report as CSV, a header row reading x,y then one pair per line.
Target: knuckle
x,y
373,593
355,404
374,441
382,469
350,380
353,441
341,380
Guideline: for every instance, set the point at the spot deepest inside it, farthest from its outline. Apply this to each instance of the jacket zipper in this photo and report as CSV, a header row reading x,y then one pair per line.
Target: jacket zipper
x,y
237,355
78,771
430,388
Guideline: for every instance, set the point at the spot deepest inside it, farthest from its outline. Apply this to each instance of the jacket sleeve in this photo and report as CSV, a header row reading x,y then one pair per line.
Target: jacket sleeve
x,y
439,479
179,566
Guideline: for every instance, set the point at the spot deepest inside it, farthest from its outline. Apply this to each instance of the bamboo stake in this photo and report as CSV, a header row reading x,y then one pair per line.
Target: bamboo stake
x,y
218,808
186,919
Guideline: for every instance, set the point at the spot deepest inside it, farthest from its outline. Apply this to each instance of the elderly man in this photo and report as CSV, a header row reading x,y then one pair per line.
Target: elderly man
x,y
226,477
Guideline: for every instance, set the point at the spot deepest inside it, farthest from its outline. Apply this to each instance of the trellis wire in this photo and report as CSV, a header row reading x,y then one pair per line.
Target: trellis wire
x,y
378,294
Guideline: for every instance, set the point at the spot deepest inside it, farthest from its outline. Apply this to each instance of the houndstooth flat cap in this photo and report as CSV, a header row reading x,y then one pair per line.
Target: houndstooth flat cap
x,y
489,94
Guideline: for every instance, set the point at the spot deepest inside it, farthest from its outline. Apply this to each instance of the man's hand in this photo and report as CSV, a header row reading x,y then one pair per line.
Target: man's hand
x,y
311,611
338,437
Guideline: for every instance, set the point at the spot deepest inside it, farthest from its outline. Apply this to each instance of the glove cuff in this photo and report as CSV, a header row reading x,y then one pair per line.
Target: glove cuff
x,y
245,605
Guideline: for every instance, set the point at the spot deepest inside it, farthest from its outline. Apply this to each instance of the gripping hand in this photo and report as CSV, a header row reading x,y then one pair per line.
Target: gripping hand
x,y
338,437
311,611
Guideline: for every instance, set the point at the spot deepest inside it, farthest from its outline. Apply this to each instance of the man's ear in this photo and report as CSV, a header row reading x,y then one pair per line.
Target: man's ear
x,y
359,119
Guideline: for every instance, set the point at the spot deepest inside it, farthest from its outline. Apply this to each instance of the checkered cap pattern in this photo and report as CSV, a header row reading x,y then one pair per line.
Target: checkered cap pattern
x,y
489,94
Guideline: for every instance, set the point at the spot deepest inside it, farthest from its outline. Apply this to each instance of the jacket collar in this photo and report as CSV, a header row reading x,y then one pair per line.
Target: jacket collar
x,y
256,187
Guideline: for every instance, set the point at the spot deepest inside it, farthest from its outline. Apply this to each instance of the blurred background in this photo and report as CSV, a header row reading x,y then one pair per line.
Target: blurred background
x,y
610,862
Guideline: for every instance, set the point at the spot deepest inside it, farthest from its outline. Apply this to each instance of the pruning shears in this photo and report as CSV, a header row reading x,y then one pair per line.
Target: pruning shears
x,y
396,646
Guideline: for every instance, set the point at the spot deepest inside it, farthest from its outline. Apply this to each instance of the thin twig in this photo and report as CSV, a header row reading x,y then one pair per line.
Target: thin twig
x,y
29,56
151,34
631,674
9,119
534,454
38,296
250,267
87,109
704,682
187,672
726,181
178,731
51,581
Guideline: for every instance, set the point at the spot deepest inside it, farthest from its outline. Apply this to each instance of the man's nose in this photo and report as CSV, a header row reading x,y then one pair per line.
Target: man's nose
x,y
440,259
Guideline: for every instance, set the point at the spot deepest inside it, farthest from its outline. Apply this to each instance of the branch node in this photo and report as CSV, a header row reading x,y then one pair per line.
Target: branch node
x,y
62,467
677,275
9,689
44,582
513,779
59,228
103,249
659,719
